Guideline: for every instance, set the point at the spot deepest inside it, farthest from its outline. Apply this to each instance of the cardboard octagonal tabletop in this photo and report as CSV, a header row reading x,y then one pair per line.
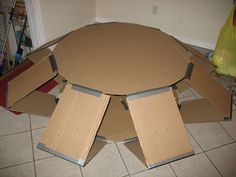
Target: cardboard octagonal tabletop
x,y
120,58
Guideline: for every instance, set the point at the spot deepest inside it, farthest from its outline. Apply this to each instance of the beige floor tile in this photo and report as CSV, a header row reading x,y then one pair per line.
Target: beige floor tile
x,y
224,158
38,121
186,93
107,163
15,149
230,126
162,171
11,123
209,135
56,167
132,163
197,149
24,170
195,166
39,154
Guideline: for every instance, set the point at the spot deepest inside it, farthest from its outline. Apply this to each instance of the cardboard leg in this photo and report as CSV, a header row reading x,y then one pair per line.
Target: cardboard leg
x,y
74,124
159,126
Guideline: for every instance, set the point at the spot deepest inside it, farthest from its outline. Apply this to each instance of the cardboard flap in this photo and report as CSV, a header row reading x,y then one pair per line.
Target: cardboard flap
x,y
117,124
30,80
136,149
210,89
182,86
36,103
159,126
198,111
36,57
73,126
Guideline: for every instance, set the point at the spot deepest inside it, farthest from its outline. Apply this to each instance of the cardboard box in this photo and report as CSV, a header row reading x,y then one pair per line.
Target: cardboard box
x,y
121,81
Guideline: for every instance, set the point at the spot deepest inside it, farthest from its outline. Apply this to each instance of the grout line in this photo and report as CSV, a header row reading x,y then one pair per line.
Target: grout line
x,y
31,134
44,158
15,165
173,170
226,131
219,146
213,164
141,171
38,128
15,133
122,158
81,171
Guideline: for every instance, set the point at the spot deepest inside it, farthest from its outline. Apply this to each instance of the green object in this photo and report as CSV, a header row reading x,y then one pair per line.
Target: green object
x,y
224,57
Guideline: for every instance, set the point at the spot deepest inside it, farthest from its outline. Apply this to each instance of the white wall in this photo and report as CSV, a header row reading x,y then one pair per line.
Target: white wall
x,y
196,22
61,16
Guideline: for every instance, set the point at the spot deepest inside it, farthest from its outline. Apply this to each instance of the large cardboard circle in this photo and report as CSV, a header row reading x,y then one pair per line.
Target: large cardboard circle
x,y
120,58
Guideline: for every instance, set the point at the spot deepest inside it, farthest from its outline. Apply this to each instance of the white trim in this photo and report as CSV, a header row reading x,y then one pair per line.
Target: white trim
x,y
191,41
195,42
34,14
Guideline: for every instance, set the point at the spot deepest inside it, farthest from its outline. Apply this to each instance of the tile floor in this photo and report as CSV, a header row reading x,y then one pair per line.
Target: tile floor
x,y
214,145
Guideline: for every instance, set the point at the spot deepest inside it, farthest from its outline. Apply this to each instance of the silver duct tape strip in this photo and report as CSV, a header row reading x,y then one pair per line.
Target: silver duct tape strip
x,y
86,90
171,159
131,140
53,63
44,148
147,93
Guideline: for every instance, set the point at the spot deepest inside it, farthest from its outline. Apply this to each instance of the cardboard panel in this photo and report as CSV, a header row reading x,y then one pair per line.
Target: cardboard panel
x,y
136,149
29,80
74,124
211,89
36,103
159,127
117,124
198,111
135,58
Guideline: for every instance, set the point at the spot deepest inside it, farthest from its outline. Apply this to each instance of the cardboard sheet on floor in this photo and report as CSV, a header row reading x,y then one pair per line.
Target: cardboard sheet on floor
x,y
74,124
159,126
117,124
36,103
210,89
31,79
199,111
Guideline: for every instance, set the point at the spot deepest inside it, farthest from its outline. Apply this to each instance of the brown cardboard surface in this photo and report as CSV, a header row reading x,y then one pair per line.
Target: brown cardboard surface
x,y
136,149
117,124
36,103
73,126
199,111
29,80
211,89
38,56
160,128
120,58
